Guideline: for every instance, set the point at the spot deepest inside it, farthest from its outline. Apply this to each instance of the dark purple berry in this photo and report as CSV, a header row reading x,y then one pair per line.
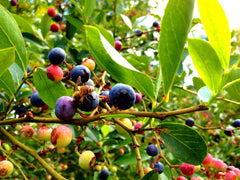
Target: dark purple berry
x,y
89,102
138,32
152,150
236,123
189,122
138,98
82,71
56,56
21,110
229,133
122,96
64,108
36,100
159,167
155,24
28,69
13,2
104,174
57,18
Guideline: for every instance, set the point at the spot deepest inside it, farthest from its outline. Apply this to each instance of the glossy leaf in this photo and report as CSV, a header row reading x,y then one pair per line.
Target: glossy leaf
x,y
198,83
109,59
206,62
151,175
10,36
45,25
174,30
88,7
48,90
184,142
74,21
216,26
127,21
93,134
107,35
17,73
7,83
7,57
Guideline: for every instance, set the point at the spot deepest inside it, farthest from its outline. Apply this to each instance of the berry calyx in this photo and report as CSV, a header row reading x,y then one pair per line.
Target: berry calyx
x,y
27,131
187,169
54,27
152,150
6,168
87,159
61,136
189,122
54,73
52,12
56,56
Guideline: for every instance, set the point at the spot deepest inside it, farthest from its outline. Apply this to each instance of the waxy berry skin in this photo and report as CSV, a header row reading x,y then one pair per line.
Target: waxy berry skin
x,y
155,24
189,122
36,100
56,56
64,108
122,96
13,2
236,123
104,174
52,12
82,71
187,169
44,133
54,73
61,136
152,150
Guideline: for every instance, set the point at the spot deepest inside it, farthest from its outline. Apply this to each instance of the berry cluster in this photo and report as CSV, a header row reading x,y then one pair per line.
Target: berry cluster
x,y
57,17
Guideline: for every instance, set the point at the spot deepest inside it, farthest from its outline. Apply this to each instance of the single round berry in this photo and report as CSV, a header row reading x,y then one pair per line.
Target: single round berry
x,y
56,56
89,63
36,100
89,102
158,28
13,2
155,24
81,71
152,150
236,123
52,12
27,131
207,159
54,27
57,18
104,174
189,122
122,96
138,32
187,169
181,178
228,132
127,122
21,110
138,98
44,133
6,168
230,175
219,165
28,69
54,73
87,159
64,108
63,27
118,45
61,136
159,167
137,126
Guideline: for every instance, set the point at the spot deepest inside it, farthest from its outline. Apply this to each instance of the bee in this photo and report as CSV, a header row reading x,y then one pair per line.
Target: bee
x,y
81,92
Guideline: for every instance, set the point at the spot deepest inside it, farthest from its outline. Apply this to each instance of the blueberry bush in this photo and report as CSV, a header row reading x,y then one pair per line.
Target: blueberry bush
x,y
99,89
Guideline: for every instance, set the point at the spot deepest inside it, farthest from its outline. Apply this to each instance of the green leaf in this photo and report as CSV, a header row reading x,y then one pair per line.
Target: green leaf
x,y
93,134
105,130
109,59
3,106
151,175
216,26
88,8
184,142
174,30
127,21
10,35
205,94
206,62
48,90
107,35
7,83
17,73
45,25
7,57
77,23
198,83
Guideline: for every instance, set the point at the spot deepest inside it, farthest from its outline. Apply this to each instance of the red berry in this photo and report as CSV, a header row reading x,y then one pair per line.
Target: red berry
x,y
13,2
181,178
52,12
187,169
61,136
27,131
208,159
118,45
54,28
230,175
55,73
137,126
158,28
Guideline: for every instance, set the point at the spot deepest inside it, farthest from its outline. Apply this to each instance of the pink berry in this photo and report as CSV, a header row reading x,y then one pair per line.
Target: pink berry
x,y
220,165
118,45
44,133
55,73
61,136
197,178
158,28
137,126
27,131
6,168
138,98
89,63
187,169
230,175
181,178
63,27
54,28
52,12
236,170
208,159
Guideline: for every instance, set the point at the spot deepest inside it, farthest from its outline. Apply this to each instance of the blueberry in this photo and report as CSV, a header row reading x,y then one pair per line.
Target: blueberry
x,y
155,24
56,56
57,18
28,69
236,123
64,108
189,122
21,110
36,100
138,32
152,150
104,174
89,102
122,96
82,71
159,167
229,133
